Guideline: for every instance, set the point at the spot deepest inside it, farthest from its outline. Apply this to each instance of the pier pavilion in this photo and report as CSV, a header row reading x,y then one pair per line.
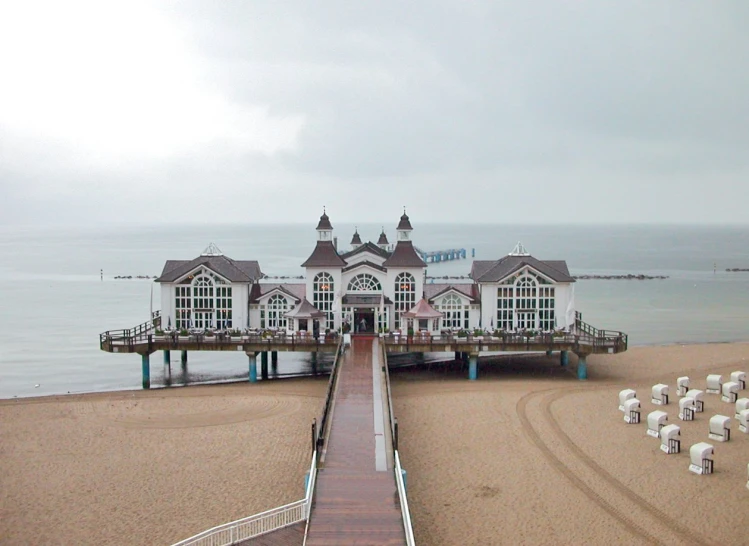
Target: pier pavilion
x,y
514,303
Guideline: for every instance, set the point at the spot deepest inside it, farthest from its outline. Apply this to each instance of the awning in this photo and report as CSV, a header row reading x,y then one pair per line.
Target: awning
x,y
368,300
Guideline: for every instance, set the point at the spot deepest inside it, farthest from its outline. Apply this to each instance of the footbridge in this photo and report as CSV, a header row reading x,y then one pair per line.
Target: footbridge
x,y
355,487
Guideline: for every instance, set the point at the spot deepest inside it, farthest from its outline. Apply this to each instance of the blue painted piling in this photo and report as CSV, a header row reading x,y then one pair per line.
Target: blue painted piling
x,y
564,358
146,367
473,367
253,368
582,368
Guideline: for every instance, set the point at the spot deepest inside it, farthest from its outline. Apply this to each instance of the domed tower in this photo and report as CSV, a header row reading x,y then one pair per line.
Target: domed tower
x,y
404,228
382,242
356,240
324,228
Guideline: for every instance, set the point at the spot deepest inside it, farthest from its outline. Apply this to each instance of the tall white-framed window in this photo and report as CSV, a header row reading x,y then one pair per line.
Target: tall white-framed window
x,y
453,313
182,306
526,302
323,293
203,302
405,296
364,282
546,305
224,307
505,308
277,307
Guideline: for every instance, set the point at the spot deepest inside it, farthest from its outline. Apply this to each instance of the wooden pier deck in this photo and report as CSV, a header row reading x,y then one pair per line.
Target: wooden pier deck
x,y
355,504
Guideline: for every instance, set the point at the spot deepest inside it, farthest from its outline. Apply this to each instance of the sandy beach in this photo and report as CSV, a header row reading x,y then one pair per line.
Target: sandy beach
x,y
151,467
526,455
530,455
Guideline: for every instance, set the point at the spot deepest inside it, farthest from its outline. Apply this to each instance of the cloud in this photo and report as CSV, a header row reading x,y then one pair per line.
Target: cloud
x,y
510,111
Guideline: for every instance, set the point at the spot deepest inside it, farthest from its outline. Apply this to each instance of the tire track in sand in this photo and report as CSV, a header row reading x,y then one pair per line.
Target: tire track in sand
x,y
689,536
558,464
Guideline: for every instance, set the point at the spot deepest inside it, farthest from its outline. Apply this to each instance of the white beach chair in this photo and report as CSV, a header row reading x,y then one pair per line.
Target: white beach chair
x,y
626,394
682,386
671,439
656,421
699,399
659,395
741,404
743,419
740,378
720,428
701,458
714,384
686,409
730,392
632,411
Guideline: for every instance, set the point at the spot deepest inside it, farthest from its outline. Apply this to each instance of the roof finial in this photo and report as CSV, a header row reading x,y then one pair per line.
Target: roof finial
x,y
323,209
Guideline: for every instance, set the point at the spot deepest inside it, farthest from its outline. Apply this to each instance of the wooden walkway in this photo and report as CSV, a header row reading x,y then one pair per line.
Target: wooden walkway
x,y
354,503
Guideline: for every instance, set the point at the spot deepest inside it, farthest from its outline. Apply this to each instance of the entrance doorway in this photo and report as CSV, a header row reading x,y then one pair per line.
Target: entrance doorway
x,y
364,322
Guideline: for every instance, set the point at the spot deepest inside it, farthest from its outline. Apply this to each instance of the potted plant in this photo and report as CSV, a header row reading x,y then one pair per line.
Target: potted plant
x,y
158,334
462,335
236,334
184,335
478,334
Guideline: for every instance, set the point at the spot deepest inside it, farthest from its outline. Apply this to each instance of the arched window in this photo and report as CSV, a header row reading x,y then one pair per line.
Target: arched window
x,y
453,313
322,296
364,283
526,302
405,295
278,306
203,302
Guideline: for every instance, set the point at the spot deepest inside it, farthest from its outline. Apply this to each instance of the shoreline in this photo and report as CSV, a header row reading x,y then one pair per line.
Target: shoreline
x,y
325,373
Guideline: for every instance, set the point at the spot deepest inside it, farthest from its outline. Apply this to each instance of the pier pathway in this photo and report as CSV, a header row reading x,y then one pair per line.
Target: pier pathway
x,y
356,499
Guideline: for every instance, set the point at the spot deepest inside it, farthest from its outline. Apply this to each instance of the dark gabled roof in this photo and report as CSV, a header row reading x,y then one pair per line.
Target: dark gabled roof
x,y
324,255
294,291
405,223
383,240
433,291
233,271
366,247
356,240
367,263
324,222
404,255
556,270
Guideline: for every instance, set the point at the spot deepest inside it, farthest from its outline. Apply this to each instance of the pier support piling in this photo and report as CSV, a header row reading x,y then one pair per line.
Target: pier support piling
x,y
548,353
274,359
457,356
167,358
146,368
582,368
264,365
473,367
183,360
253,367
564,358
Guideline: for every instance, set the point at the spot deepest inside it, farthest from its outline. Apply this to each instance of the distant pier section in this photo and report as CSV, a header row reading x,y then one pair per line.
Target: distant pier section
x,y
436,256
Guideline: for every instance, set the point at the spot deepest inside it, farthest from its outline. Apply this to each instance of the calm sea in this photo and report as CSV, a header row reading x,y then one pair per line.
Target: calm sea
x,y
54,304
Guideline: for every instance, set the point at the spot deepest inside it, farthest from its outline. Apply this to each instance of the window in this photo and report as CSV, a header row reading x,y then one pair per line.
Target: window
x,y
526,303
453,314
364,283
322,297
223,307
546,305
405,295
277,307
505,311
182,306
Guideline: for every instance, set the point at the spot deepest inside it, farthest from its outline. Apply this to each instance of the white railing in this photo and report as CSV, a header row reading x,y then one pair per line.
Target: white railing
x,y
259,524
404,502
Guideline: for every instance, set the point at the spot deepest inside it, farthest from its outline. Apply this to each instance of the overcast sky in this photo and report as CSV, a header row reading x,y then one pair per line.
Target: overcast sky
x,y
544,111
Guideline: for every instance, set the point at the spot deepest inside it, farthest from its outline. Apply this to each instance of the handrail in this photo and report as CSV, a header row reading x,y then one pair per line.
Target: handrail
x,y
329,396
258,524
405,512
404,502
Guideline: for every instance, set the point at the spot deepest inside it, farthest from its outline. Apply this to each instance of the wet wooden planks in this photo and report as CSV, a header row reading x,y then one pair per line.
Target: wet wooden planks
x,y
354,504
